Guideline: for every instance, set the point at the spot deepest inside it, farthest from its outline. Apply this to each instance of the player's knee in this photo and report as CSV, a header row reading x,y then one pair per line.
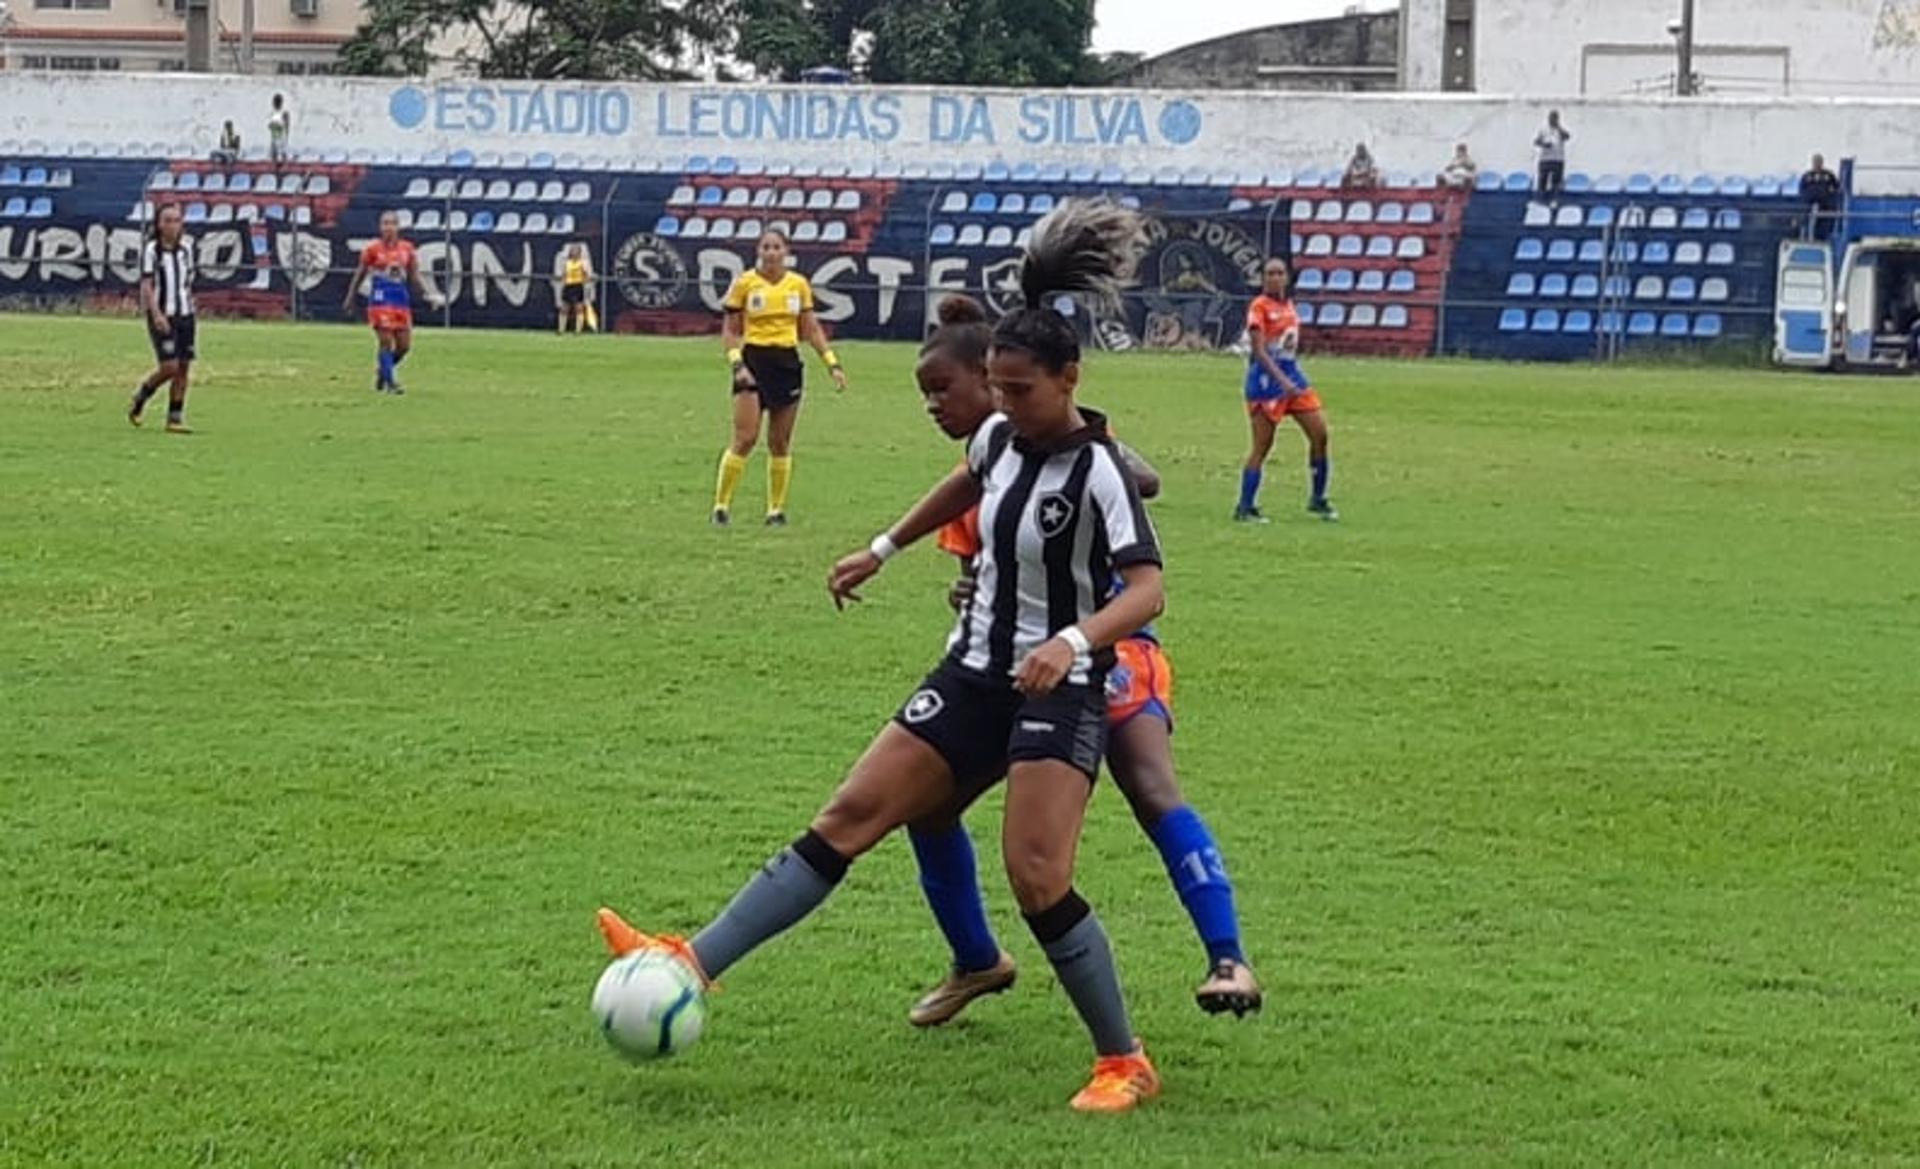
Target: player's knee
x,y
1151,795
855,819
1039,870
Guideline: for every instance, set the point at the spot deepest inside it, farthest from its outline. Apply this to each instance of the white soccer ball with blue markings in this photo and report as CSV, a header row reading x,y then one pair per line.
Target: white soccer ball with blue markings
x,y
649,1005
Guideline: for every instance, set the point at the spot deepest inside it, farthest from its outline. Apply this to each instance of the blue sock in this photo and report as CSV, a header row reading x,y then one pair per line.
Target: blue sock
x,y
1249,488
1322,471
1200,877
386,367
952,885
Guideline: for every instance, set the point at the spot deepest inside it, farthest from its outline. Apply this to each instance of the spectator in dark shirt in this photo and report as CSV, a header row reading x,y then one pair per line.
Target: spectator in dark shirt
x,y
1460,170
1361,174
228,152
1820,188
1551,142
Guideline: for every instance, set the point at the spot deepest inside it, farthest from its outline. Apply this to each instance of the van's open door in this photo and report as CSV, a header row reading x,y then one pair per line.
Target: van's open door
x,y
1803,304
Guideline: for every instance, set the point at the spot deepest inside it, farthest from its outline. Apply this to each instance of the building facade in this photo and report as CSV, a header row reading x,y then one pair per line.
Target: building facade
x,y
290,37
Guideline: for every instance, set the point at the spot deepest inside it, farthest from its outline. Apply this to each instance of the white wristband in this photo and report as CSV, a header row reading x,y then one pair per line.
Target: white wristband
x,y
1074,636
883,548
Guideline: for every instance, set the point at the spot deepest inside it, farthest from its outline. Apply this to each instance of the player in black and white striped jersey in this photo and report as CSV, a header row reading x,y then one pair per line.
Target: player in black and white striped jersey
x,y
1021,691
166,298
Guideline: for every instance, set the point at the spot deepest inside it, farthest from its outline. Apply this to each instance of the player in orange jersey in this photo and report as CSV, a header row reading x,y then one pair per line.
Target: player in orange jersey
x,y
395,269
1278,388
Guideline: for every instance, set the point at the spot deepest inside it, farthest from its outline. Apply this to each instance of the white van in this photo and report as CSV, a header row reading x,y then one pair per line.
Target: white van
x,y
1865,320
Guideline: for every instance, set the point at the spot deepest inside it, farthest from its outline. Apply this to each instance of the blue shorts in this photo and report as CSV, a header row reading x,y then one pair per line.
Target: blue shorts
x,y
1261,386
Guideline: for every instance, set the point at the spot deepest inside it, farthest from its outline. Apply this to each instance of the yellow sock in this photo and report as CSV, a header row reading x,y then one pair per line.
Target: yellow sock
x,y
779,478
732,467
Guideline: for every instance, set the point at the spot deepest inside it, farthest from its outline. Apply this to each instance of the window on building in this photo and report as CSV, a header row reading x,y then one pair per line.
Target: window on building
x,y
70,5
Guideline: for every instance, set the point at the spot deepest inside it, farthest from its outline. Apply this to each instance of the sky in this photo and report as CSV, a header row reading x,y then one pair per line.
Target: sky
x,y
1146,26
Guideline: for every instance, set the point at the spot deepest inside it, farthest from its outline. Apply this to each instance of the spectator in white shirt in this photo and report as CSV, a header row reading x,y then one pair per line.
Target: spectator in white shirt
x,y
1460,169
279,125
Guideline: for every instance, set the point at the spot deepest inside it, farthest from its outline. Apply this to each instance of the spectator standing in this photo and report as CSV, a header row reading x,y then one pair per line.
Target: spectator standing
x,y
228,152
279,126
1361,174
1460,171
1551,142
1820,188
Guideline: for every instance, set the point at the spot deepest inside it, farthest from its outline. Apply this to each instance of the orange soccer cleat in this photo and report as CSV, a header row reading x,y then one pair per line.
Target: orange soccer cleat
x,y
1120,1083
623,939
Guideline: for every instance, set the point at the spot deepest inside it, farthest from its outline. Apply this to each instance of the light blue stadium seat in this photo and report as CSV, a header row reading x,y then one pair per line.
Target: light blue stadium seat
x,y
1586,286
1735,186
1600,215
847,201
482,221
1401,281
1412,247
1300,210
240,183
1238,204
1714,290
721,229
429,219
1569,215
1706,325
1609,185
10,175
1675,325
460,158
1360,211
526,191
1681,288
1726,219
1577,321
1546,320
36,176
1026,172
984,204
738,197
1013,203
1306,313
711,197
795,199
1391,213
1311,280
1519,181
541,160
667,225
1696,219
1610,322
1529,251
15,208
726,164
1618,288
808,231
319,185
1083,175
1319,245
1639,184
1663,219
1553,286
1333,315
694,229
457,222
161,180
699,164
444,189
536,223
1000,236
1520,284
498,191
972,235
1350,247
1592,251
1688,253
1328,212
1561,251
943,235
472,189
1372,280
1720,254
1649,288
1768,187
579,192
1537,215
1625,251
188,181
1420,214
1296,246
821,199
1364,316
1703,186
196,213
1340,280
1642,325
1394,316
563,224
1671,186
1489,180
1379,247
220,213
1513,320
1040,205
1656,252
834,232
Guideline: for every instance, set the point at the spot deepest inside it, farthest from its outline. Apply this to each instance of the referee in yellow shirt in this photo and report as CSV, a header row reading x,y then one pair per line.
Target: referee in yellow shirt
x,y
769,309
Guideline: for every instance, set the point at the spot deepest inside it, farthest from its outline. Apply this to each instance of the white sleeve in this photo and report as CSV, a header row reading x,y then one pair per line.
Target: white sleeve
x,y
1122,516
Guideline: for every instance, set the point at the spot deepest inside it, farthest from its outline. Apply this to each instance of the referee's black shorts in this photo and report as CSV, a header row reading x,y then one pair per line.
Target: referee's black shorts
x,y
177,343
572,294
777,375
981,726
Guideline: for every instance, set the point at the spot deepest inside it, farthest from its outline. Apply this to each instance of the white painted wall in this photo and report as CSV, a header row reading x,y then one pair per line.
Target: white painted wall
x,y
659,126
1867,48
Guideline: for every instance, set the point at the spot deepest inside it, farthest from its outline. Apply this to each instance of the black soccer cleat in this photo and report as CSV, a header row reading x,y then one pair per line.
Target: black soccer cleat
x,y
720,517
776,519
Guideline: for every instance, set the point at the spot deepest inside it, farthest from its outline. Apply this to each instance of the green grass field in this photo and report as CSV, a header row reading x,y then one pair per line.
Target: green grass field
x,y
1568,785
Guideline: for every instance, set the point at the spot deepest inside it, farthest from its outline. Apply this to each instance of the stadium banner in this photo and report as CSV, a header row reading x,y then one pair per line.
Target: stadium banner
x,y
660,127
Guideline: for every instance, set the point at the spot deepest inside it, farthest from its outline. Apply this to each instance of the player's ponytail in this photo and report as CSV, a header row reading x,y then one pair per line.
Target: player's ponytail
x,y
1084,246
962,336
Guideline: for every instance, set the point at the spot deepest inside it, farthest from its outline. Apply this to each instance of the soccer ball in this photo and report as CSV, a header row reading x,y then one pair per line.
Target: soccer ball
x,y
649,1005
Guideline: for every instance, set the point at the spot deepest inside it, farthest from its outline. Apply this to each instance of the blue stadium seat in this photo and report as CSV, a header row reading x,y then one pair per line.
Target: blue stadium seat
x,y
1412,247
482,221
1688,253
1537,215
726,164
1420,214
1735,186
1586,286
1489,180
196,213
1380,247
1520,284
10,175
1333,315
972,235
36,176
1696,219
1306,313
1372,280
1703,186
1011,204
1610,322
1720,254
699,164
1513,320
1639,184
1726,219
15,208
563,224
1577,321
1600,215
1714,290
1609,185
667,225
1681,288
1553,286
1390,213
1561,251
711,197
240,183
187,181
1529,251
1674,325
1360,211
1350,246
1656,252
1394,316
1040,205
984,204
1642,325
1401,281
1706,325
1083,175
1671,186
1340,280
1364,316
1519,181
541,160
1649,288
1546,320
943,235
1295,245
460,158
1579,183
1311,280
1593,251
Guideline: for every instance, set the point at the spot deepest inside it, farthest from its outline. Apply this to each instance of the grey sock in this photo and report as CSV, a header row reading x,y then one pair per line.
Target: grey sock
x,y
1084,961
780,894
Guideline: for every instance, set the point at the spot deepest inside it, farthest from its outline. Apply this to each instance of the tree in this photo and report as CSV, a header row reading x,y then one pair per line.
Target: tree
x,y
927,42
543,39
